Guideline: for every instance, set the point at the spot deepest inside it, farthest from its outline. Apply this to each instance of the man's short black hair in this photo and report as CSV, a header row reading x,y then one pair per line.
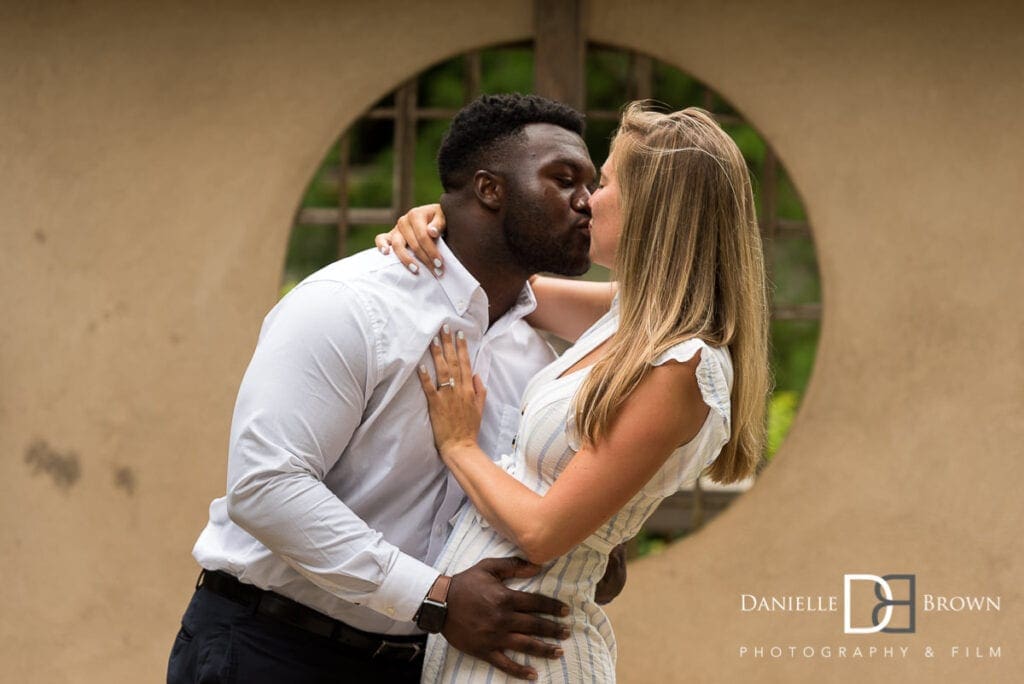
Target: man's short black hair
x,y
480,129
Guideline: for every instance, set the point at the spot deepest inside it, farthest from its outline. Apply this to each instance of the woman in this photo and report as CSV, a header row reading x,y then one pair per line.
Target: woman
x,y
670,383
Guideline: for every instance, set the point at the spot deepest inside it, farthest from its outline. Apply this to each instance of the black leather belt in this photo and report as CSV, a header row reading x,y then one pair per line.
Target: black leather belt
x,y
277,607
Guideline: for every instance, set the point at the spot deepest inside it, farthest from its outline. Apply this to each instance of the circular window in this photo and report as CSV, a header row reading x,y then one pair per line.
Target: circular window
x,y
384,164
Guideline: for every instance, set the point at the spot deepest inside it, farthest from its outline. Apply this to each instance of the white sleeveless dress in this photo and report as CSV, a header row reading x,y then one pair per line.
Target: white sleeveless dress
x,y
544,446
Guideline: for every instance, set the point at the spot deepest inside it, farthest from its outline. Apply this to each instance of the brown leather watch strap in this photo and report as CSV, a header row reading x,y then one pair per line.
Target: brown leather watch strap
x,y
439,590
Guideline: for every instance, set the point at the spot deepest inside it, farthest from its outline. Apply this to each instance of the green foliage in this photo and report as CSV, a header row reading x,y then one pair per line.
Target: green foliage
x,y
441,85
794,344
646,544
507,70
606,73
781,410
426,184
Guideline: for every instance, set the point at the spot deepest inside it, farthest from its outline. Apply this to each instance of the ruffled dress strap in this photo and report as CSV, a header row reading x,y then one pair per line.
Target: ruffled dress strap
x,y
714,374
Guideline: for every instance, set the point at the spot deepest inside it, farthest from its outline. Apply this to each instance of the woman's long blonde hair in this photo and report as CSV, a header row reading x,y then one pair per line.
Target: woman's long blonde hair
x,y
689,265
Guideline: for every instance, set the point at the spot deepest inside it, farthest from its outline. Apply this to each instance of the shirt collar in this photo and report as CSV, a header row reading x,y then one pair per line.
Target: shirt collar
x,y
459,286
457,282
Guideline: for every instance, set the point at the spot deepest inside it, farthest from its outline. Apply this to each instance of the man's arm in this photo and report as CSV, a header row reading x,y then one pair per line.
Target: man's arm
x,y
301,399
614,580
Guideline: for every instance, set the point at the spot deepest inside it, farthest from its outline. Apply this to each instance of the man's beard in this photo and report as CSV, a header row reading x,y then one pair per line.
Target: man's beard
x,y
536,250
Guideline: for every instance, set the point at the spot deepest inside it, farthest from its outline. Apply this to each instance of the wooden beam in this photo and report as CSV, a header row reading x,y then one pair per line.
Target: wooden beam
x,y
358,216
559,51
344,149
640,82
405,148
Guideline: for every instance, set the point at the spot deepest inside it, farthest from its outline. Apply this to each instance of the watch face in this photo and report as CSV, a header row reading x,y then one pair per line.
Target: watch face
x,y
432,615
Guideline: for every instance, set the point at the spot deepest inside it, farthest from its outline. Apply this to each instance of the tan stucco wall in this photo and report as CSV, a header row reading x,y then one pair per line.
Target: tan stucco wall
x,y
152,159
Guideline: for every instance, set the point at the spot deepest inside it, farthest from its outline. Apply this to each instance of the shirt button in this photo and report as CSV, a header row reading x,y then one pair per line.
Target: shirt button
x,y
461,303
391,611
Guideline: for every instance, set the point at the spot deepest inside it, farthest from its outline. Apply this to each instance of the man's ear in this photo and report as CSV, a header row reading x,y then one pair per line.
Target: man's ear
x,y
489,189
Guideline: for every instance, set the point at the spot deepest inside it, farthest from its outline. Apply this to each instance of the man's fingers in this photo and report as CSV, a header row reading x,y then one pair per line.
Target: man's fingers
x,y
506,664
536,626
534,647
525,602
507,568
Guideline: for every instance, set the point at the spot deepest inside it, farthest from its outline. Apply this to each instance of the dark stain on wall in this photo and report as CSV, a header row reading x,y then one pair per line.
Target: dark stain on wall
x,y
64,469
124,478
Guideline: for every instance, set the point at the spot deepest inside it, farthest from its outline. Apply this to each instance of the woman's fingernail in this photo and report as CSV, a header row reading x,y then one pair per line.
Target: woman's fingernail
x,y
559,653
385,250
461,335
414,268
447,329
437,263
423,369
438,272
433,231
437,341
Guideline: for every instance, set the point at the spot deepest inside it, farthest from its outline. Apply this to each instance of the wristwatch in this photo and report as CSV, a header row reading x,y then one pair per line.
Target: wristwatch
x,y
434,609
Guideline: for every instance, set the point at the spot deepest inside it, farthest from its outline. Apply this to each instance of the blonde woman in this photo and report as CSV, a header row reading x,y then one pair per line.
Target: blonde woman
x,y
669,383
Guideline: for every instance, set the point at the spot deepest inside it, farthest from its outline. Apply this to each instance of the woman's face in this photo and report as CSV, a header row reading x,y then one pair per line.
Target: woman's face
x,y
605,216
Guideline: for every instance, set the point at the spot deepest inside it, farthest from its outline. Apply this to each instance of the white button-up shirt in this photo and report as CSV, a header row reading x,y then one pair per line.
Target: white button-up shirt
x,y
336,495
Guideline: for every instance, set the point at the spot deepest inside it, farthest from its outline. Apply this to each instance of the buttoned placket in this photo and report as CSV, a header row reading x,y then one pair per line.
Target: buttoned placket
x,y
471,307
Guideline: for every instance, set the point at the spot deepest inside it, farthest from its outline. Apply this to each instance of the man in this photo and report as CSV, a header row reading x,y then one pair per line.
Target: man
x,y
317,561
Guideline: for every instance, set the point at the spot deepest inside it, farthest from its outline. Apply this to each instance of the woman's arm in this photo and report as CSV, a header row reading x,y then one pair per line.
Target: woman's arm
x,y
567,307
664,411
415,235
564,307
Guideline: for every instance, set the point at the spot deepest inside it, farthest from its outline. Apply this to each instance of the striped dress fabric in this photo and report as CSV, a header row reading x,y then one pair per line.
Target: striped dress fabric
x,y
545,444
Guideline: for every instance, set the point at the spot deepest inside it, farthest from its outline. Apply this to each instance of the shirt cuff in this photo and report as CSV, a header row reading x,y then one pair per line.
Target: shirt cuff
x,y
403,589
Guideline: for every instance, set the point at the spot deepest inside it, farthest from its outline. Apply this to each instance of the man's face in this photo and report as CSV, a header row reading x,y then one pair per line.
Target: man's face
x,y
547,212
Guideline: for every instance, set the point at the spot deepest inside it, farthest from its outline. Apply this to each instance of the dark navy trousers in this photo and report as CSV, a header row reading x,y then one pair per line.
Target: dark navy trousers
x,y
222,641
